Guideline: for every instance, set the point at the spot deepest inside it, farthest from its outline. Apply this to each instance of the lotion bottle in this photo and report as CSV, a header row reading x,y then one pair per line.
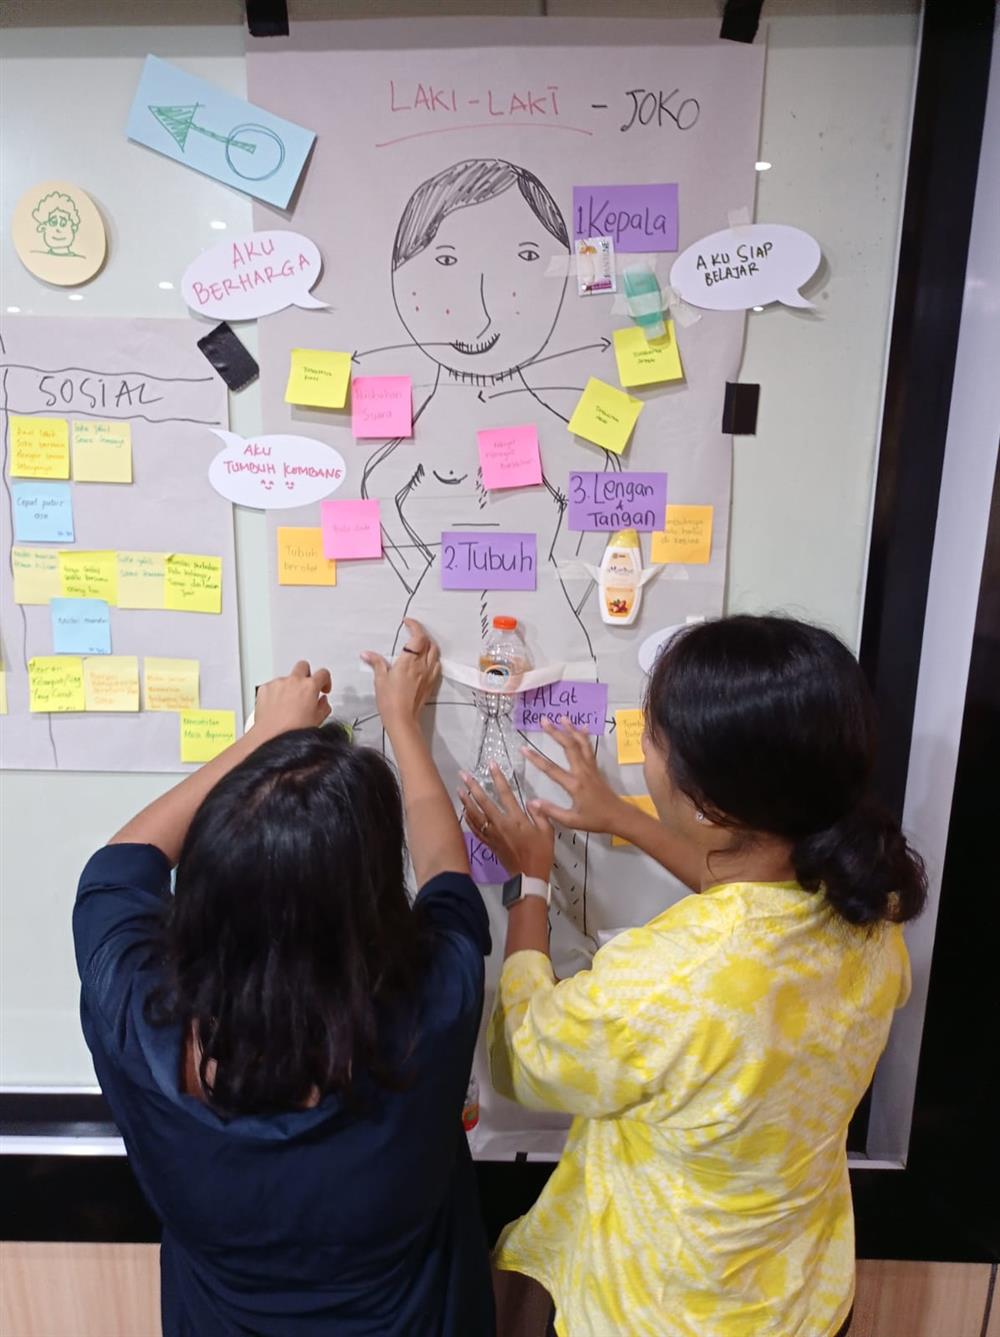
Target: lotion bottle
x,y
620,583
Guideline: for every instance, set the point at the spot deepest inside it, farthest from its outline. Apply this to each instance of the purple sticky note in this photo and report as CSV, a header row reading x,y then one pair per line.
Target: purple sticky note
x,y
488,561
638,218
584,703
487,869
610,501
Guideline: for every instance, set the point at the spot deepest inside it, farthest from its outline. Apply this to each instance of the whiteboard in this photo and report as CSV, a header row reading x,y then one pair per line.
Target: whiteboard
x,y
835,127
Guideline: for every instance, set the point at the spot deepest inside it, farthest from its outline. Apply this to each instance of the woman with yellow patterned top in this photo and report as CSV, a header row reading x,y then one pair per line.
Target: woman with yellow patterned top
x,y
713,1058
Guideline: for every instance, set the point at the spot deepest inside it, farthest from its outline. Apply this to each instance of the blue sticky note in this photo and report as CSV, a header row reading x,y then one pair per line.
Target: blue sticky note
x,y
197,124
43,512
80,627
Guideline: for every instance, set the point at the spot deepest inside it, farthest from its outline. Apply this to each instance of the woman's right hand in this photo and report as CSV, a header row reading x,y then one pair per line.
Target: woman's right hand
x,y
594,804
404,687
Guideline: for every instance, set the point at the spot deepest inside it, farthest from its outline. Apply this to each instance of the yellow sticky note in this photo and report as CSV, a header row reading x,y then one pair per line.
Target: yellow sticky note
x,y
111,682
170,684
89,575
206,733
629,727
102,452
301,560
39,447
193,583
319,377
55,683
36,575
605,415
142,579
643,361
642,801
3,691
687,537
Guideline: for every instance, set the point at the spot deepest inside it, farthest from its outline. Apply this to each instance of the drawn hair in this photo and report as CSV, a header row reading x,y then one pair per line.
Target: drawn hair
x,y
769,727
475,181
55,200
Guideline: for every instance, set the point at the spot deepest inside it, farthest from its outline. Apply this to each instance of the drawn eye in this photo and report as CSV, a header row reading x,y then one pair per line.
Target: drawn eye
x,y
528,253
446,259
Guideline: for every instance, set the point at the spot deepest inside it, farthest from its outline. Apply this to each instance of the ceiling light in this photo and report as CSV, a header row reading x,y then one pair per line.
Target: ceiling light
x,y
762,166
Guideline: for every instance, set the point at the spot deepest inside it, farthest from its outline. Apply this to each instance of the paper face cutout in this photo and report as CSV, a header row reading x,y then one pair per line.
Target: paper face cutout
x,y
58,233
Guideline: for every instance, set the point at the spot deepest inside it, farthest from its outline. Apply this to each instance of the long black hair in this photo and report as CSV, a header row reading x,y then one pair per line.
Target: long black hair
x,y
290,934
768,726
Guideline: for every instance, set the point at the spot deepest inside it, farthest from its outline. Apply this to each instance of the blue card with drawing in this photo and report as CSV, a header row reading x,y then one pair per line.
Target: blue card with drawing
x,y
201,126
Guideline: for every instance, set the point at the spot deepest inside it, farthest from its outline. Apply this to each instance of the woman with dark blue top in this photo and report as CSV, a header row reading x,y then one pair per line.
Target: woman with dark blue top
x,y
284,1040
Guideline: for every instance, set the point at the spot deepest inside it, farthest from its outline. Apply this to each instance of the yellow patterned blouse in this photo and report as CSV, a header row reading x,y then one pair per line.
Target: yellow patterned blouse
x,y
713,1059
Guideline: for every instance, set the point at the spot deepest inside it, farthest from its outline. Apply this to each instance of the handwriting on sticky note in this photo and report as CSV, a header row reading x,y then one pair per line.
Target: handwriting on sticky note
x,y
643,361
687,537
301,560
36,575
170,684
111,683
102,452
605,415
488,561
638,218
351,529
43,512
80,627
193,583
486,868
629,728
585,704
610,501
508,456
142,579
206,733
319,378
55,683
381,406
89,575
39,447
641,801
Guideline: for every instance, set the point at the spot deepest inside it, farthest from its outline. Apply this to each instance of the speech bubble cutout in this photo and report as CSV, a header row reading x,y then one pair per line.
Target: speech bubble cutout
x,y
272,473
253,276
741,267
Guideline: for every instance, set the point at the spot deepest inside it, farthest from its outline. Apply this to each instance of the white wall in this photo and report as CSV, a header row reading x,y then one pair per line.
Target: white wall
x,y
835,127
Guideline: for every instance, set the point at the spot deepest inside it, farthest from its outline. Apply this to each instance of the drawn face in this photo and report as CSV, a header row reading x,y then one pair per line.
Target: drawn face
x,y
57,230
477,299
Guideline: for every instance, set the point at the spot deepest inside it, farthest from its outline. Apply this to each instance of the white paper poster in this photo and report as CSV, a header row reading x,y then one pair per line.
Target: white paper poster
x,y
455,165
79,397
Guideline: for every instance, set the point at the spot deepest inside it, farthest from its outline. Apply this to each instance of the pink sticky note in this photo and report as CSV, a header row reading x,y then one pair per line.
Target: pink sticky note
x,y
381,406
351,529
509,456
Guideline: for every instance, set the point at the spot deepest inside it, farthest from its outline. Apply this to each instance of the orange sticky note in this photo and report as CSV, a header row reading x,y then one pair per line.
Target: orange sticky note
x,y
629,727
642,801
687,537
301,560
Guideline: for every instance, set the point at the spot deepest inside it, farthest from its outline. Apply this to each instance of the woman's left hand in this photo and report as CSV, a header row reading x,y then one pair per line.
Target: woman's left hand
x,y
523,841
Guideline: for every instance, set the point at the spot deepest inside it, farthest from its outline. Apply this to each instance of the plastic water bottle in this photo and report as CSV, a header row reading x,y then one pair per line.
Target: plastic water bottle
x,y
503,662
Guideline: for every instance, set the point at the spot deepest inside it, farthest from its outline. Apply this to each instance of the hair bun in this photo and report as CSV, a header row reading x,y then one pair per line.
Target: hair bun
x,y
865,866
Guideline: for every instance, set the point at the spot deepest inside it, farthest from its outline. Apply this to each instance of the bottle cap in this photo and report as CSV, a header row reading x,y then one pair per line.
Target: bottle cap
x,y
505,623
624,538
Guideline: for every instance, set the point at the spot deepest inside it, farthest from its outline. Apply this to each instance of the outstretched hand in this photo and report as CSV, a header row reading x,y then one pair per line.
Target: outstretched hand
x,y
594,805
404,687
298,701
523,841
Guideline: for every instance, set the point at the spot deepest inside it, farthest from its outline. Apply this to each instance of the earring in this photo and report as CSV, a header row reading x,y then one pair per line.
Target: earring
x,y
699,816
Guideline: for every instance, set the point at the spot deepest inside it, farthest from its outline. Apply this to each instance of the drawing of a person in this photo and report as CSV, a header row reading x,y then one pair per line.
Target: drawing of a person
x,y
57,219
470,286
